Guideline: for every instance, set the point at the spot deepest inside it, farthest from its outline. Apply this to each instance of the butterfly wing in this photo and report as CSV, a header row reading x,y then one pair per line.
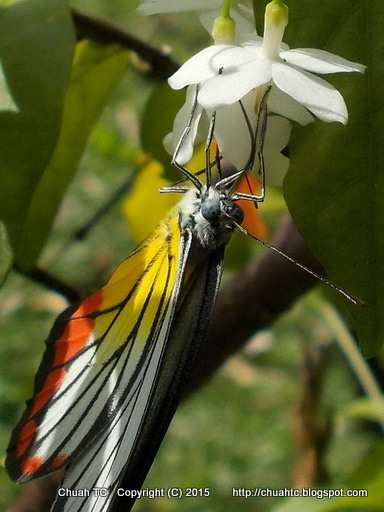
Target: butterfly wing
x,y
190,325
123,454
113,372
94,359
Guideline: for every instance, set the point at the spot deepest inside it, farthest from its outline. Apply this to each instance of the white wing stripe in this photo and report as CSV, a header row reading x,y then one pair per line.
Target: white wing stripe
x,y
85,472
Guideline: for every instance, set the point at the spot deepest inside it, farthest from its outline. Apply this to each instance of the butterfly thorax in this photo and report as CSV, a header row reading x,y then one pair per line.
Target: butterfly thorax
x,y
210,215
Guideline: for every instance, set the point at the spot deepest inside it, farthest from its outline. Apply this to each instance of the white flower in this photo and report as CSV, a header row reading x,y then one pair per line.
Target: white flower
x,y
234,140
242,14
232,134
222,75
226,73
186,122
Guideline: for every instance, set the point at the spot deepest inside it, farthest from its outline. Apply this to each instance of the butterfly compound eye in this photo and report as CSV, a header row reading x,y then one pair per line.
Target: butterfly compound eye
x,y
211,209
238,214
235,212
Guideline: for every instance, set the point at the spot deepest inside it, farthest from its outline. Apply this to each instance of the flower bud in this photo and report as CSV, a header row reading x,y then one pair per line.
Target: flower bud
x,y
276,19
224,30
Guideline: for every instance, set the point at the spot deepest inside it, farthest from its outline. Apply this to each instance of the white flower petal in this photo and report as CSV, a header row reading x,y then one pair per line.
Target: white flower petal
x,y
245,19
281,103
254,44
320,61
232,85
313,92
203,128
276,166
168,143
234,139
182,118
166,6
207,63
232,132
277,135
7,101
276,139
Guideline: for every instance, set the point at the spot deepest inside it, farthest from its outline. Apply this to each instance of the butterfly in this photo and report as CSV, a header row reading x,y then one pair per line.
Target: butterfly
x,y
116,364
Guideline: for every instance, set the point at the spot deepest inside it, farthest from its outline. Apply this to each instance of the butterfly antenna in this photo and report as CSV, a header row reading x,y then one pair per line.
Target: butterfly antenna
x,y
351,298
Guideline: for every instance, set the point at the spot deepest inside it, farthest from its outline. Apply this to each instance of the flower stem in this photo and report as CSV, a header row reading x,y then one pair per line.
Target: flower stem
x,y
275,22
226,12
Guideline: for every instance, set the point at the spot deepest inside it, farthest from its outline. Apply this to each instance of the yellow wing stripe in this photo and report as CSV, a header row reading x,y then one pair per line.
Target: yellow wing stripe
x,y
143,273
93,365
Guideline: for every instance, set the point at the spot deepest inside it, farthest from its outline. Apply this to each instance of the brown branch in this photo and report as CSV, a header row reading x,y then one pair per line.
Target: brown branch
x,y
310,433
162,66
46,279
253,300
255,297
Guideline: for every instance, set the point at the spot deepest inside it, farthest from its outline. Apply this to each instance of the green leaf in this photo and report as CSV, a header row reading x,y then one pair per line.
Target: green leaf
x,y
96,71
370,473
369,409
36,48
335,185
158,117
368,477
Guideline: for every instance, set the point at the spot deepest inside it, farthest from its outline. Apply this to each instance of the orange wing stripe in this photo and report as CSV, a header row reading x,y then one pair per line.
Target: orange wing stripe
x,y
73,339
89,305
52,382
77,330
30,465
58,461
252,221
25,437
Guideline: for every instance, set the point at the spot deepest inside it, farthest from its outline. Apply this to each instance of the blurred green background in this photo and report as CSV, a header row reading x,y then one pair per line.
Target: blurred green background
x,y
243,429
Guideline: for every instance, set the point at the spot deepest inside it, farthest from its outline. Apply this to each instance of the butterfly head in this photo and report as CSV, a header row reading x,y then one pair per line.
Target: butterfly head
x,y
210,215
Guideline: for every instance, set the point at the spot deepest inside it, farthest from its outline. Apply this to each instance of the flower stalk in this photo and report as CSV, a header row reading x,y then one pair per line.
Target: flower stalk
x,y
276,20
